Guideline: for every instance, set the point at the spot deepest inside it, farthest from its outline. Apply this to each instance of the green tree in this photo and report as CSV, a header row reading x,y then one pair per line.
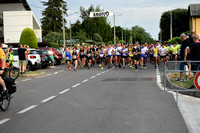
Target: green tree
x,y
52,16
180,23
140,35
95,25
53,37
28,37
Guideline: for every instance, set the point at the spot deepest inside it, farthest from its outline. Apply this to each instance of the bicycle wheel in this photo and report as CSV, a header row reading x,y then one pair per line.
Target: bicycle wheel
x,y
5,102
14,73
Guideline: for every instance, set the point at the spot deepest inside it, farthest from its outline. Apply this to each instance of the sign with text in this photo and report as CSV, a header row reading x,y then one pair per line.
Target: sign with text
x,y
100,14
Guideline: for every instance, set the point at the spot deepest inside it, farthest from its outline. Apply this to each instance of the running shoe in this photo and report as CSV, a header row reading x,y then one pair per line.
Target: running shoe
x,y
74,69
136,70
100,65
101,68
145,67
179,79
142,67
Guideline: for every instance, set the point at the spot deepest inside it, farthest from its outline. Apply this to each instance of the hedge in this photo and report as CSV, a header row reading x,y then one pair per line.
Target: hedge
x,y
53,45
29,38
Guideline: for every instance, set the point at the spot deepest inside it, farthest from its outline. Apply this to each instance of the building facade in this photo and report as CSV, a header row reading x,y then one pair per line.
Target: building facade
x,y
194,18
15,16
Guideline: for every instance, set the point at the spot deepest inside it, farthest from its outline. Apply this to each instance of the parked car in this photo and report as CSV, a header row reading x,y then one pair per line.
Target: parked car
x,y
45,59
57,54
34,60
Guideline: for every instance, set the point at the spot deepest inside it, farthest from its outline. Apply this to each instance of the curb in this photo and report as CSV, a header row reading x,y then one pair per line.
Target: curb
x,y
33,75
175,87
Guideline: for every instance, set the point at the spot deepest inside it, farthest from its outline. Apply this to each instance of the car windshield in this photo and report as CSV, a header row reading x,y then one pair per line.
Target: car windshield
x,y
33,52
58,50
15,52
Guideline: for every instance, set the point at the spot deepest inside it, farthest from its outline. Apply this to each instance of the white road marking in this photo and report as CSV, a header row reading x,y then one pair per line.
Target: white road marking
x,y
26,79
92,77
55,73
76,85
27,109
85,80
4,121
98,74
61,71
40,77
62,92
48,99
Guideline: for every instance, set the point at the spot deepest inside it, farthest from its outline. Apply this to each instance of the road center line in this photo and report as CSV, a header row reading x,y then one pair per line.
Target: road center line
x,y
92,77
66,90
98,74
61,71
55,73
76,85
26,79
85,80
4,121
48,99
27,109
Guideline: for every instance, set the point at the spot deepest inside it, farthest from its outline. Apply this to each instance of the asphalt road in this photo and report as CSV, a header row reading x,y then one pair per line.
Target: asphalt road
x,y
92,101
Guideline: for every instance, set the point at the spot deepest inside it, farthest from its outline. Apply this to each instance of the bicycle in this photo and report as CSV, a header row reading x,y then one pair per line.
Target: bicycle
x,y
12,71
11,87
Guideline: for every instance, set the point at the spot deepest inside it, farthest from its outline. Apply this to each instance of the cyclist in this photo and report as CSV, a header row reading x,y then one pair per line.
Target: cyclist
x,y
2,67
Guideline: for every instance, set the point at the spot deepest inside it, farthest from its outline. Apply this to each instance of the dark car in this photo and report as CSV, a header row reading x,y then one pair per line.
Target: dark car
x,y
45,59
57,54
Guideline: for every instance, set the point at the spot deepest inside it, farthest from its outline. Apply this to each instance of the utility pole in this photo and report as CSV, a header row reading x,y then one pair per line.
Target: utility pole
x,y
122,36
114,29
171,25
70,33
63,26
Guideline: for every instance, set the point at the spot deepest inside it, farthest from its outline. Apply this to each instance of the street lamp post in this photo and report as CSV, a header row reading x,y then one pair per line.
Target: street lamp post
x,y
115,27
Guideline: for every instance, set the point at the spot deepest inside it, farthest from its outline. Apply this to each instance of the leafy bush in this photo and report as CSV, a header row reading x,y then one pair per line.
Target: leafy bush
x,y
53,45
53,37
174,40
29,38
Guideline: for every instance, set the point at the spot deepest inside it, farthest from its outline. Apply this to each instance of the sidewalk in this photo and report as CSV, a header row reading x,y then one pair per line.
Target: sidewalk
x,y
189,107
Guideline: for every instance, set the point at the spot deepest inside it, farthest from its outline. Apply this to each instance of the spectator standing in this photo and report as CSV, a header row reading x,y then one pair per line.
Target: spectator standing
x,y
50,52
183,54
22,59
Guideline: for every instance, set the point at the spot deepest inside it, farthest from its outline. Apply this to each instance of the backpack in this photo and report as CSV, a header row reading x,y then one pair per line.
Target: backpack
x,y
10,85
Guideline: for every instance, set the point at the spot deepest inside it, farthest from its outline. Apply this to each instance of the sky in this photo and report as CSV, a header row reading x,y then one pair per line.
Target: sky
x,y
145,13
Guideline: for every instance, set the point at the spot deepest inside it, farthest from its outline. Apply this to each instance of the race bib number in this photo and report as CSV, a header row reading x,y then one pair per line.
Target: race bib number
x,y
109,53
174,52
101,55
155,55
124,54
130,53
89,55
67,58
74,56
117,53
81,53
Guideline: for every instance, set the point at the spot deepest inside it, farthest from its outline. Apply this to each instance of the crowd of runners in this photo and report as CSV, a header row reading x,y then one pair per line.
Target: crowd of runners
x,y
134,55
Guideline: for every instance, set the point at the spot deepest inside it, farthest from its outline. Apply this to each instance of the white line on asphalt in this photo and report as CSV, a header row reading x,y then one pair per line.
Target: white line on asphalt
x,y
27,109
76,85
40,77
48,99
98,74
61,71
55,73
4,121
16,82
92,77
62,92
85,80
26,79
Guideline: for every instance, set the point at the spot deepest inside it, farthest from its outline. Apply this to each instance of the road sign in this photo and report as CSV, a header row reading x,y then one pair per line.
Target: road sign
x,y
100,14
197,81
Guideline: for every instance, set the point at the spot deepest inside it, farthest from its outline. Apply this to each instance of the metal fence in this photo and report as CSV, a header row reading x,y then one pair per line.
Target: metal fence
x,y
171,67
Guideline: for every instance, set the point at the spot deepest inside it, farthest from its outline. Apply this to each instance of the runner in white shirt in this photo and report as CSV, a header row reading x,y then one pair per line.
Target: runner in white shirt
x,y
144,51
118,55
163,51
